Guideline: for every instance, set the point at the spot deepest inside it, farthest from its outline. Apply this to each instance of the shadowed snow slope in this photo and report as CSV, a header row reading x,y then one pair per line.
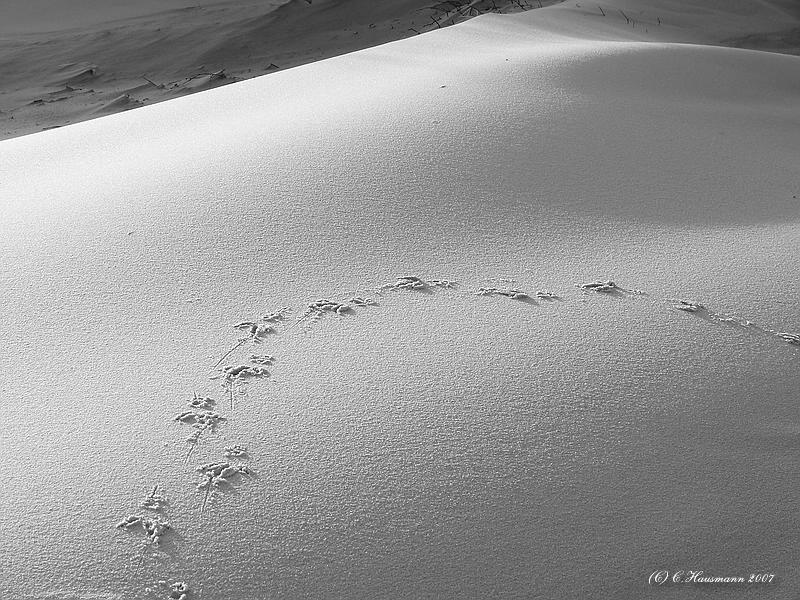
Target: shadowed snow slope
x,y
167,49
441,444
155,51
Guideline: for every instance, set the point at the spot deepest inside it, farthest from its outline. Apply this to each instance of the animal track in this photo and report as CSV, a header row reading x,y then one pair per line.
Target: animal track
x,y
406,283
153,527
154,501
237,376
255,331
201,421
262,359
443,283
236,451
609,288
508,293
360,301
178,591
276,316
791,338
322,306
704,313
689,306
217,476
599,286
200,402
544,295
232,372
319,308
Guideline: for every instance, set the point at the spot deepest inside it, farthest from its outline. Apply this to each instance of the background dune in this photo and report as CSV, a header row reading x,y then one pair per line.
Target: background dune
x,y
75,60
156,51
441,443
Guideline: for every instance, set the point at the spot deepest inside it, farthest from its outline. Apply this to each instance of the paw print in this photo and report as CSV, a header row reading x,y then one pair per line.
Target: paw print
x,y
689,306
153,527
362,301
201,421
443,283
508,293
236,451
219,475
406,283
262,359
154,501
599,286
545,295
276,316
178,591
790,338
200,402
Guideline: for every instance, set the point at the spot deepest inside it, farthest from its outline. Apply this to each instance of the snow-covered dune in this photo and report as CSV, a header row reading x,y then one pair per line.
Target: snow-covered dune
x,y
492,430
57,69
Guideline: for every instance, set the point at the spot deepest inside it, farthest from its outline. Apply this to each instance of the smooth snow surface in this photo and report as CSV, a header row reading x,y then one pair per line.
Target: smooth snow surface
x,y
441,444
